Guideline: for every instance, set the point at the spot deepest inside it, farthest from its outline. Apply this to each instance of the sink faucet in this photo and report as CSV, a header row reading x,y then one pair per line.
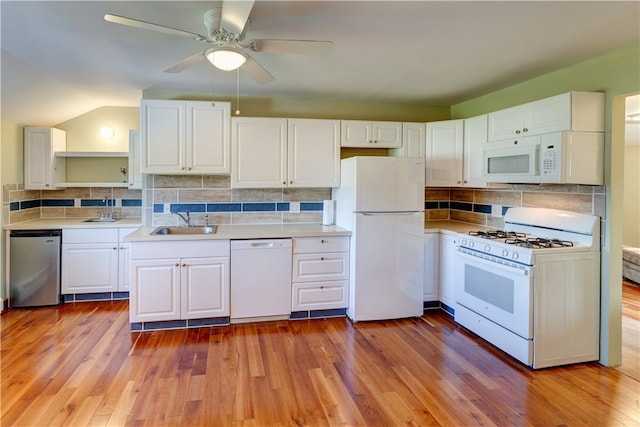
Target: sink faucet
x,y
186,218
106,214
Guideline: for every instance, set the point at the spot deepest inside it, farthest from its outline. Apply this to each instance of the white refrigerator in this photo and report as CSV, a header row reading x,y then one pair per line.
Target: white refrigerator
x,y
381,200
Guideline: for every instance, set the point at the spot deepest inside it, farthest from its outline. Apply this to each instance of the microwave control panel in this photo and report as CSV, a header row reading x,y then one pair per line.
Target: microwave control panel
x,y
550,159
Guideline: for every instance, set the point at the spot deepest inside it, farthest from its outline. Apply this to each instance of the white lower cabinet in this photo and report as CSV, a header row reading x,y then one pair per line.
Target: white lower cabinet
x,y
167,287
89,261
320,273
447,269
431,266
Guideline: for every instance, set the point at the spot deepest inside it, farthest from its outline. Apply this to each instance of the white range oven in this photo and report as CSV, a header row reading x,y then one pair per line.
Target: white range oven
x,y
533,289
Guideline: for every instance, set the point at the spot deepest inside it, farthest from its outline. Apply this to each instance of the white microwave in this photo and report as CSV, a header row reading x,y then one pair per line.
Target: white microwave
x,y
553,158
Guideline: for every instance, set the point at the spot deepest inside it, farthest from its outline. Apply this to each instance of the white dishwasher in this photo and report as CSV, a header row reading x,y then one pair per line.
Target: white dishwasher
x,y
260,278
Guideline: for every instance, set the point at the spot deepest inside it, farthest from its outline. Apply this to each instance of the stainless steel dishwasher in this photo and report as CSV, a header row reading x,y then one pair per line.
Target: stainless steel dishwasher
x,y
34,267
260,278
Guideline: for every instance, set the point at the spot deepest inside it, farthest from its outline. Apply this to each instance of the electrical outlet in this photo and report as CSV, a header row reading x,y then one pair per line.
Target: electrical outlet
x,y
294,207
496,211
166,208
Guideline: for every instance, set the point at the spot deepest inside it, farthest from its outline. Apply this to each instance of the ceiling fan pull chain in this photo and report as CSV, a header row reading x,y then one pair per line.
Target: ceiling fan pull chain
x,y
237,91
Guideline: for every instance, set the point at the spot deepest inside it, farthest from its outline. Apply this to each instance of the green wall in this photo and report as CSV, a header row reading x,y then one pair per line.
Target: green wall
x,y
615,73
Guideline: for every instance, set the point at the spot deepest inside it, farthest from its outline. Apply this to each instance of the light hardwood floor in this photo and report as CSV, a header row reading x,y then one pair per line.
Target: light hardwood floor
x,y
78,364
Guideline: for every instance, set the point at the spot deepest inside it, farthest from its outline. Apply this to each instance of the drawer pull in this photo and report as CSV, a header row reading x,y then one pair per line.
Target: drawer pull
x,y
321,258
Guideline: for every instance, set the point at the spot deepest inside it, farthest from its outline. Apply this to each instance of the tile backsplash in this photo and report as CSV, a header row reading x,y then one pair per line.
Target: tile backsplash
x,y
476,205
211,197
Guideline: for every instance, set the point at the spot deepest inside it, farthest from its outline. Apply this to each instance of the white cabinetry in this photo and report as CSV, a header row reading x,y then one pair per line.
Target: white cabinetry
x,y
180,137
413,141
134,174
179,280
320,273
42,169
367,134
95,260
275,153
89,260
578,111
431,266
454,152
447,269
444,153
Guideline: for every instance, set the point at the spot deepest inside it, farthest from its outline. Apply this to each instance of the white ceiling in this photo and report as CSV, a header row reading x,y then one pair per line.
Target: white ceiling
x,y
61,59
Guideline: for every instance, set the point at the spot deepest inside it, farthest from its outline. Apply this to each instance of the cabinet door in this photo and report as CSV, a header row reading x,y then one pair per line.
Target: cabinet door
x,y
42,170
162,136
431,266
547,115
413,141
444,153
134,175
387,135
155,290
447,270
259,152
205,287
505,124
89,268
356,133
475,139
314,153
208,137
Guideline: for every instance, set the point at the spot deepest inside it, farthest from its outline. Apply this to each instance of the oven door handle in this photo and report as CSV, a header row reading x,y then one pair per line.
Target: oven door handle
x,y
512,267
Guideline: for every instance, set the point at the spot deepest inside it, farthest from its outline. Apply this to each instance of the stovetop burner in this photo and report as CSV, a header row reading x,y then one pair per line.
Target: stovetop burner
x,y
538,243
497,234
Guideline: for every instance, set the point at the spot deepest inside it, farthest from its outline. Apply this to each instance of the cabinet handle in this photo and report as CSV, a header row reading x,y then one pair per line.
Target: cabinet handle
x,y
323,241
518,132
525,130
321,258
290,182
465,181
184,265
321,287
46,185
115,249
284,182
121,248
515,142
177,264
189,168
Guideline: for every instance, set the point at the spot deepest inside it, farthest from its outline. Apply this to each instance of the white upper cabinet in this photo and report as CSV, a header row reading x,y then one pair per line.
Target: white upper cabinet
x,y
314,153
444,153
368,134
454,152
275,153
180,137
413,141
42,169
577,111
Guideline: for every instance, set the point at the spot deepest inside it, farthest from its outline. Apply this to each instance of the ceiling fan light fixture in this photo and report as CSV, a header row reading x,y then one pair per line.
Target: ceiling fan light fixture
x,y
226,59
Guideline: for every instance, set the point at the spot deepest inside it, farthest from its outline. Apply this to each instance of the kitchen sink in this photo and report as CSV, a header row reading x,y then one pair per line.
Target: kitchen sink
x,y
101,219
185,230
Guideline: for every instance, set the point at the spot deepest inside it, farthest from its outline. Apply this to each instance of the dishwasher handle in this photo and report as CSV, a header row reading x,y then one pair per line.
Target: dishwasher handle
x,y
35,233
261,244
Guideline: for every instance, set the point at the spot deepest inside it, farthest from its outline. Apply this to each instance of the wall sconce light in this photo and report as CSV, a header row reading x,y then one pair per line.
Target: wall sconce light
x,y
106,132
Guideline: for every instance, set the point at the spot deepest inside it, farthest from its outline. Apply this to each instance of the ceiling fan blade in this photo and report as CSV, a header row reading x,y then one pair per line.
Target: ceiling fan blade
x,y
256,71
116,19
291,46
235,14
186,63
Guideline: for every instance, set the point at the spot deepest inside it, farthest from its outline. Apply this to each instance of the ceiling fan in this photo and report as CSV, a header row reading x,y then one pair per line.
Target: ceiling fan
x,y
226,33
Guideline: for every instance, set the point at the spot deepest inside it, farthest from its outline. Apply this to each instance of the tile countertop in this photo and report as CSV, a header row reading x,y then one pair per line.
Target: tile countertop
x,y
452,227
54,223
244,231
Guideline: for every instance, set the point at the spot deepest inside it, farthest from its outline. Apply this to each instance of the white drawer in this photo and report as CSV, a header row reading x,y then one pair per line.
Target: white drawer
x,y
319,295
90,235
307,245
182,249
323,266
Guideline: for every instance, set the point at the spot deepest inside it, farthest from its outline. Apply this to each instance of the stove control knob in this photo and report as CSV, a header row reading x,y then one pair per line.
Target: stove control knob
x,y
463,242
505,253
487,248
515,255
470,244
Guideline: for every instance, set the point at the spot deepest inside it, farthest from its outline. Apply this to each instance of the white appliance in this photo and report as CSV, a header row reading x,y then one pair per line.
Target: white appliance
x,y
381,200
533,290
261,277
555,158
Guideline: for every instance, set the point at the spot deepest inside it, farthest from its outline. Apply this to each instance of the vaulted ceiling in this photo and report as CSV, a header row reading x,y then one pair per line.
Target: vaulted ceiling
x,y
61,59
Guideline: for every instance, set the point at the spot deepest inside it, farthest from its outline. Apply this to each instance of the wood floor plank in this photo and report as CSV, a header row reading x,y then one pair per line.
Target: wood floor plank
x,y
79,364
